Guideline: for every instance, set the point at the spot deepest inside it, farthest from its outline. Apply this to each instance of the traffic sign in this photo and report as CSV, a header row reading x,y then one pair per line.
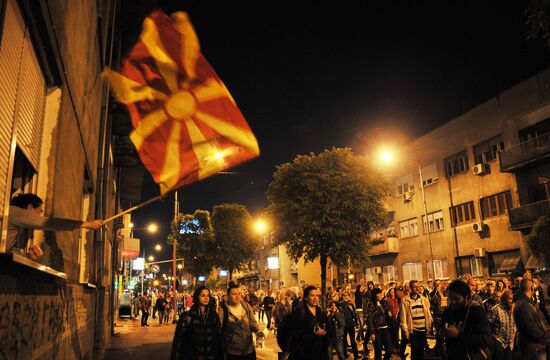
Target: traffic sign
x,y
155,268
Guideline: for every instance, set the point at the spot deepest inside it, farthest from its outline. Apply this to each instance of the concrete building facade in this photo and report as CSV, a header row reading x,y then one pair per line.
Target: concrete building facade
x,y
57,140
486,175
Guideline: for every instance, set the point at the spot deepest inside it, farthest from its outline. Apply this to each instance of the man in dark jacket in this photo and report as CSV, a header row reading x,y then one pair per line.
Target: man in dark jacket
x,y
531,324
306,329
350,316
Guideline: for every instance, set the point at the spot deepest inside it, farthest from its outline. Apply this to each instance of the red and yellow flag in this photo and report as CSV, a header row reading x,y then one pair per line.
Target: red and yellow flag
x,y
186,124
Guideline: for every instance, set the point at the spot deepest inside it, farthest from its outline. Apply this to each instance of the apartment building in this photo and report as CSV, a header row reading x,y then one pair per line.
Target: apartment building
x,y
486,178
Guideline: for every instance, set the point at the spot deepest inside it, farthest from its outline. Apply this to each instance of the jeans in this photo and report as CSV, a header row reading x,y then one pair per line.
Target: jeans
x,y
360,324
269,314
144,317
338,344
161,316
418,341
382,337
350,330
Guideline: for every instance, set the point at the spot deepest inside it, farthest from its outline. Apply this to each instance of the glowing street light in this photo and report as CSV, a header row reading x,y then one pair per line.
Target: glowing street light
x,y
151,258
152,228
260,226
180,266
158,247
386,156
156,282
131,225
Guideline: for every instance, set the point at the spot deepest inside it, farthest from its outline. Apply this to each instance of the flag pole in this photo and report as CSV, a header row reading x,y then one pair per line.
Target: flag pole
x,y
138,206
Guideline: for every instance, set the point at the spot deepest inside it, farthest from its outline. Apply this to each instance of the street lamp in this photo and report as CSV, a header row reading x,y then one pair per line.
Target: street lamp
x,y
387,157
158,247
151,258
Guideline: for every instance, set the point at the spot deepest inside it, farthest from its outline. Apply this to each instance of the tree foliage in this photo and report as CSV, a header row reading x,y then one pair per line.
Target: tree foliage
x,y
538,20
196,243
539,239
235,242
324,206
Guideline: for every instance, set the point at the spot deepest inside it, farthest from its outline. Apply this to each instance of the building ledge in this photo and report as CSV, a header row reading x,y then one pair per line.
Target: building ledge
x,y
22,260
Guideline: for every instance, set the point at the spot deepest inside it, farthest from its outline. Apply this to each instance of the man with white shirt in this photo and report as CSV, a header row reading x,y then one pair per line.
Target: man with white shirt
x,y
238,324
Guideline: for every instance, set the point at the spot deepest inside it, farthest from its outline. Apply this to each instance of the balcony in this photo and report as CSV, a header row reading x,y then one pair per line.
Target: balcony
x,y
386,245
525,216
525,153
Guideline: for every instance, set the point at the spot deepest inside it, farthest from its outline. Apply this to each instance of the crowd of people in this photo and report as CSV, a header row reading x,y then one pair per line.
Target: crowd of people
x,y
462,319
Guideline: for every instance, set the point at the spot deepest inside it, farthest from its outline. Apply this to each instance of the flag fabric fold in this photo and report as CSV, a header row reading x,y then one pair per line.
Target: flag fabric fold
x,y
186,124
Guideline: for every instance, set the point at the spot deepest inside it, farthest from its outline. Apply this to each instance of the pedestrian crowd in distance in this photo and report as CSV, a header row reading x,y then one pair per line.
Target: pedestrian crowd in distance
x,y
466,318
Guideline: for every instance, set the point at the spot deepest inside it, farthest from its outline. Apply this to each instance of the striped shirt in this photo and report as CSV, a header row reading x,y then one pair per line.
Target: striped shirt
x,y
418,316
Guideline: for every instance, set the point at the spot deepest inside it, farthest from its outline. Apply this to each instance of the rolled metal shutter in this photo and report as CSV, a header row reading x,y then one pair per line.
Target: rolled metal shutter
x,y
30,109
11,49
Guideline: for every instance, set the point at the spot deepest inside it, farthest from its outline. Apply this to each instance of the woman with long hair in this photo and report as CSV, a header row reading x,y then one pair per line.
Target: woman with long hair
x,y
198,332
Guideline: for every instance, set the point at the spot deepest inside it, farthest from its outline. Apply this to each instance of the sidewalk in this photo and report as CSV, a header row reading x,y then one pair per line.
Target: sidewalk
x,y
136,342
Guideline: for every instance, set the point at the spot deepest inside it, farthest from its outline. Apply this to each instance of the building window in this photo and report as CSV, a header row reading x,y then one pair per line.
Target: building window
x,y
504,262
371,274
389,273
456,164
430,175
469,265
495,205
435,220
487,150
412,271
408,228
404,185
462,214
440,269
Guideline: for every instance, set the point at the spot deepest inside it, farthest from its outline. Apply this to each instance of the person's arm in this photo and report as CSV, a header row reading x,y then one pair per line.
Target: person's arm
x,y
28,219
404,326
253,323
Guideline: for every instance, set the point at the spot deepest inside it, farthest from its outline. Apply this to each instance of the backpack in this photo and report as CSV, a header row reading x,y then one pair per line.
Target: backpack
x,y
284,339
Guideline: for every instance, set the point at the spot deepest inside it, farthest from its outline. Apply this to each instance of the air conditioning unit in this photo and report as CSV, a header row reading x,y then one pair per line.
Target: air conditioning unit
x,y
477,227
479,252
407,196
480,169
378,270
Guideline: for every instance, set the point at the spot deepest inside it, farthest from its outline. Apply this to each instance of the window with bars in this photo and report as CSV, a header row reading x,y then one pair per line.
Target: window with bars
x,y
462,214
412,271
456,164
435,220
487,150
408,228
495,205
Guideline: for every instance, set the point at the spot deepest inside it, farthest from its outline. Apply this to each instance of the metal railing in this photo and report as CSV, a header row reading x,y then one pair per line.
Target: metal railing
x,y
525,216
525,152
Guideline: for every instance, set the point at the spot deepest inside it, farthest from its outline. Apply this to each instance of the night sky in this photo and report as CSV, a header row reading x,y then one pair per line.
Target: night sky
x,y
309,77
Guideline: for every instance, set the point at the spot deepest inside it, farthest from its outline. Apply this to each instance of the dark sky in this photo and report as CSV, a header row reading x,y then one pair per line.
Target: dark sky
x,y
309,76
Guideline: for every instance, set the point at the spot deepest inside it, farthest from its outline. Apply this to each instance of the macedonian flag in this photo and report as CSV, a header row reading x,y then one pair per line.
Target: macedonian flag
x,y
186,124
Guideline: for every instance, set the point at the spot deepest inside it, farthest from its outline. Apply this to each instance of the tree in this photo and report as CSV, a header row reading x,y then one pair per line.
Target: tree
x,y
324,206
194,238
538,20
234,238
539,239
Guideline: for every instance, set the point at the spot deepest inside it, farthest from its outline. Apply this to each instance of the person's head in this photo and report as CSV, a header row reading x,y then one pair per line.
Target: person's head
x,y
29,202
421,289
497,295
507,298
234,295
500,284
311,295
346,297
490,287
362,282
430,284
339,289
370,285
334,306
527,287
527,275
472,283
437,285
377,294
391,292
414,287
201,296
459,294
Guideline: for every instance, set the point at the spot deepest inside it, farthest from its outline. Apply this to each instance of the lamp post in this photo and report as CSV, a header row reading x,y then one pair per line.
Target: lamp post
x,y
387,157
261,228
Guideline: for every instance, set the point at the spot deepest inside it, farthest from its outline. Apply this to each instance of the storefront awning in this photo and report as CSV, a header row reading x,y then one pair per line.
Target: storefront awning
x,y
534,263
510,263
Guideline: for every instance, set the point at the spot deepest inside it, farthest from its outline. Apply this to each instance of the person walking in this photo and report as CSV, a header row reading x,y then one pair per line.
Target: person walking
x,y
198,333
416,320
335,331
136,303
359,308
161,307
466,332
282,309
438,304
503,327
379,322
268,303
144,306
393,306
348,309
531,324
154,303
306,329
238,324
